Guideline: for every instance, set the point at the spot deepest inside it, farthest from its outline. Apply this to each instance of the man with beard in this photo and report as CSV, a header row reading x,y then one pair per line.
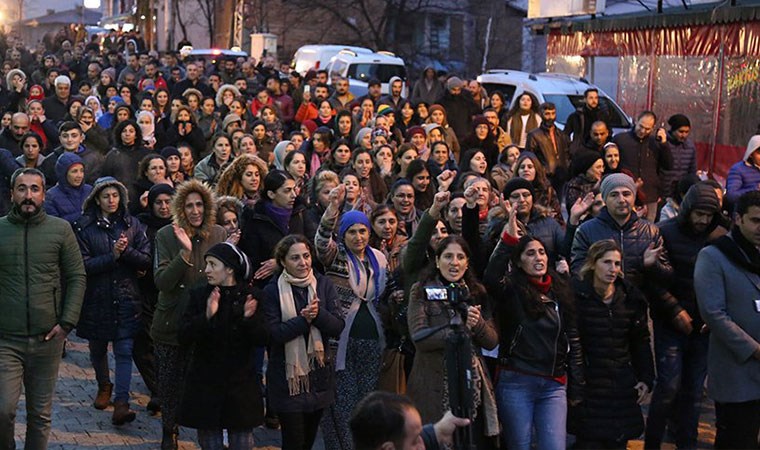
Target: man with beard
x,y
551,146
726,280
38,254
599,136
645,257
578,124
309,109
680,338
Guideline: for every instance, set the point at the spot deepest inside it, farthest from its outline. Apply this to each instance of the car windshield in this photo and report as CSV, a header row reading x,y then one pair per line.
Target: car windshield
x,y
383,72
507,89
567,104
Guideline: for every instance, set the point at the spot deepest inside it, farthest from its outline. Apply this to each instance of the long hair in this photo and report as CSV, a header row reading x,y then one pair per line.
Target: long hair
x,y
431,272
528,295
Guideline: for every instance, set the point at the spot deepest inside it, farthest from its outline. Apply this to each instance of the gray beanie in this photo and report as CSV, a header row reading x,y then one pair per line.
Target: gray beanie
x,y
453,82
616,180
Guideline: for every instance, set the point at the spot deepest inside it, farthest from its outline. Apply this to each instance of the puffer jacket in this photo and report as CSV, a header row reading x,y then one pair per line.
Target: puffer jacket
x,y
616,353
37,254
683,245
64,200
112,299
684,163
547,346
743,176
633,238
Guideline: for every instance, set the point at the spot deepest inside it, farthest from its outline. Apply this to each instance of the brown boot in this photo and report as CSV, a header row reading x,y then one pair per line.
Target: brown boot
x,y
103,399
122,414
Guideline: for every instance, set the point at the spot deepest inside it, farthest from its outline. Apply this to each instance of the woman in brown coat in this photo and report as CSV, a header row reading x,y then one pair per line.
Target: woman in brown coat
x,y
450,293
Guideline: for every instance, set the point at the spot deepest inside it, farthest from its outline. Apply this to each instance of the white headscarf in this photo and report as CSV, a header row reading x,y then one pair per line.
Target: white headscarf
x,y
148,130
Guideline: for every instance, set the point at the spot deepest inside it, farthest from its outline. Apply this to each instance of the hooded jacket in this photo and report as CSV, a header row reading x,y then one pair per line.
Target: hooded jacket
x,y
424,93
683,244
744,176
111,301
173,274
64,200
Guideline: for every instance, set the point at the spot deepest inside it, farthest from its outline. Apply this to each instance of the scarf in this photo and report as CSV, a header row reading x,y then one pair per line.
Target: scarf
x,y
360,284
148,130
280,216
739,250
299,359
543,285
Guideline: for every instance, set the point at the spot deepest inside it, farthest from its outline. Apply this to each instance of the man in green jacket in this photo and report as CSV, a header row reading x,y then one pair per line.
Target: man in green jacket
x,y
37,253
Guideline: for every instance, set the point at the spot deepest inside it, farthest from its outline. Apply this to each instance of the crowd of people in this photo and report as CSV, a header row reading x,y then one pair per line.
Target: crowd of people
x,y
268,248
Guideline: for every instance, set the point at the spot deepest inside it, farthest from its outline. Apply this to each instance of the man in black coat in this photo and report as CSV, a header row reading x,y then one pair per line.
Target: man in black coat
x,y
644,152
578,124
192,80
680,342
644,256
460,108
56,105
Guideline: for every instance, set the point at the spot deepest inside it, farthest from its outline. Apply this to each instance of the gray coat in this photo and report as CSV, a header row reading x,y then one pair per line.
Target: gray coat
x,y
727,296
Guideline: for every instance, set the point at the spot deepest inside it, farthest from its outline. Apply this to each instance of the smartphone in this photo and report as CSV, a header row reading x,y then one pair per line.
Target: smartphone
x,y
307,89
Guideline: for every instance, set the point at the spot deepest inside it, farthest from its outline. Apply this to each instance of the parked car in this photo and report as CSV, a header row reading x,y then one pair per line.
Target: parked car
x,y
318,56
360,67
565,91
212,55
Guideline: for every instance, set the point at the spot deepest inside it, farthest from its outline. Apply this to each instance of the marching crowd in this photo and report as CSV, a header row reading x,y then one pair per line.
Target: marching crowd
x,y
268,248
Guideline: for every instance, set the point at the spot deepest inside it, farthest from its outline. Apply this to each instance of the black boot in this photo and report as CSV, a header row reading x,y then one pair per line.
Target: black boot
x,y
169,438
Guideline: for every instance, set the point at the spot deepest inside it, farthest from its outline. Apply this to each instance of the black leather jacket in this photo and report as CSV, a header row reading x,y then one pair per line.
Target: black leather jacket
x,y
547,346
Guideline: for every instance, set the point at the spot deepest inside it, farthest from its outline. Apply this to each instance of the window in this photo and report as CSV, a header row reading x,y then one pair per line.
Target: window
x,y
383,72
567,104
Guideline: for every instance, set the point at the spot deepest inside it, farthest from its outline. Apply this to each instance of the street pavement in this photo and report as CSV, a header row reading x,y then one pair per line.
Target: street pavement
x,y
77,425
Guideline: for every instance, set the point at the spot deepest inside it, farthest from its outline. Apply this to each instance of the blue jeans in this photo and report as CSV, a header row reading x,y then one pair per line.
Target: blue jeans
x,y
526,402
33,362
681,372
122,352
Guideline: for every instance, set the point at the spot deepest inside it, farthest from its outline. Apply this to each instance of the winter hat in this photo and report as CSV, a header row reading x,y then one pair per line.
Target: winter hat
x,y
110,72
40,96
480,120
310,125
415,130
701,196
583,161
233,258
350,219
518,183
677,121
379,132
117,99
158,189
384,110
616,180
11,74
453,82
166,152
229,119
360,135
430,127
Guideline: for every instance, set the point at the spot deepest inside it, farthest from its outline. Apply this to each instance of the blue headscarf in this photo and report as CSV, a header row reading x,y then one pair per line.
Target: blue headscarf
x,y
348,220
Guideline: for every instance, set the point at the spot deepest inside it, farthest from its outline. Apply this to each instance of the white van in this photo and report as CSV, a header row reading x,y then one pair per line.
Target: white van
x,y
318,56
359,68
565,91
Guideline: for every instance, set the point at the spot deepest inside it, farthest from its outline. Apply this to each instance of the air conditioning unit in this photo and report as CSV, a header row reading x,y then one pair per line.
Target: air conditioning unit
x,y
553,8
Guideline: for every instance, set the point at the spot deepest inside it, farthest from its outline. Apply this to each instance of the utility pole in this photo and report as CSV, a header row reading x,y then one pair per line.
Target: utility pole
x,y
223,22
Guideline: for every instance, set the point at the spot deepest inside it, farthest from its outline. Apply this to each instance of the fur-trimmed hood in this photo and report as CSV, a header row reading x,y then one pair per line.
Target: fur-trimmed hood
x,y
209,207
226,87
100,184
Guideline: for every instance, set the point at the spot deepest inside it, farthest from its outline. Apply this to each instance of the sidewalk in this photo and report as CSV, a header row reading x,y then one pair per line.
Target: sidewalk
x,y
77,425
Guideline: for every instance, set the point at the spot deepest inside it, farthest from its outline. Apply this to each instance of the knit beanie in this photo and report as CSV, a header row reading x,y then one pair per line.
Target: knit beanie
x,y
453,82
518,183
415,130
166,152
233,258
616,180
384,110
310,125
230,118
158,189
677,121
351,218
583,161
